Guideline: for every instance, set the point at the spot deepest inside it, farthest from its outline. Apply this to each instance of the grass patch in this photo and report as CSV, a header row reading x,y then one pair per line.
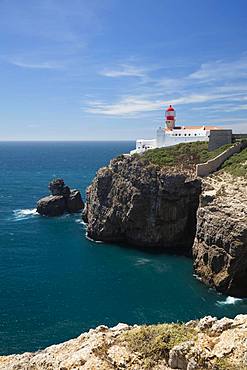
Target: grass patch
x,y
237,164
153,342
225,364
185,154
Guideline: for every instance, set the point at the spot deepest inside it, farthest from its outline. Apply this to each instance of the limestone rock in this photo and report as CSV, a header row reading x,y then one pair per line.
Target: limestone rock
x,y
178,356
220,246
62,200
136,202
74,201
206,322
221,325
57,187
105,348
53,205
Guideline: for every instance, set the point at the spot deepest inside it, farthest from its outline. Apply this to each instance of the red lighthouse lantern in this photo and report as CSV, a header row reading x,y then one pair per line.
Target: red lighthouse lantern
x,y
170,117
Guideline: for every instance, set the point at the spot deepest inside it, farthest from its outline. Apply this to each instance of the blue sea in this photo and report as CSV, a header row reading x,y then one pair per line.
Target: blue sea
x,y
55,283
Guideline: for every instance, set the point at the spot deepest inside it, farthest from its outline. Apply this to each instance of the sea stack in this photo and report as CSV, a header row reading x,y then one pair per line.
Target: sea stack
x,y
61,200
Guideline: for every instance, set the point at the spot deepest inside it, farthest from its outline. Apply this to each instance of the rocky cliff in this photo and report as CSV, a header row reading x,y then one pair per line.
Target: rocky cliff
x,y
220,247
136,202
205,344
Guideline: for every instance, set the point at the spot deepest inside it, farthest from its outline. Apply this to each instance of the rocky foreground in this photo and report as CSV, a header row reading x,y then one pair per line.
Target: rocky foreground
x,y
206,344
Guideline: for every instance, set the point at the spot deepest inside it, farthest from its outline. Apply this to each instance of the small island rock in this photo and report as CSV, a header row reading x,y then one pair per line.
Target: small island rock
x,y
52,205
61,200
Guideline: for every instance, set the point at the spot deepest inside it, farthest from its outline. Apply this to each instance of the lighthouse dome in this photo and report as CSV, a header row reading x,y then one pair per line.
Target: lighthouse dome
x,y
170,109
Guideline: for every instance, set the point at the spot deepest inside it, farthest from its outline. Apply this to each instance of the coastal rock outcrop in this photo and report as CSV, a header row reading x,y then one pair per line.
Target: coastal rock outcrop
x,y
220,246
61,200
221,344
136,202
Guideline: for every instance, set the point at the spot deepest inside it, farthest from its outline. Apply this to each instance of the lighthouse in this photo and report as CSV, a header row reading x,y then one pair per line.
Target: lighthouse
x,y
173,135
170,117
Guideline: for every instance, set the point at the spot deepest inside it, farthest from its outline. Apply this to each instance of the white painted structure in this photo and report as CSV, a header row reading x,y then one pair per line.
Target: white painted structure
x,y
172,134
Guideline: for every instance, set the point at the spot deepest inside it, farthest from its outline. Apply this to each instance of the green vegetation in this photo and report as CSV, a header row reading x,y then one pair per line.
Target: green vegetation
x,y
237,164
185,154
225,364
153,342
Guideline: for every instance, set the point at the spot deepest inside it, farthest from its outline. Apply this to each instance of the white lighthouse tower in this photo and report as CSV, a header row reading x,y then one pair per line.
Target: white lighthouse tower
x,y
170,118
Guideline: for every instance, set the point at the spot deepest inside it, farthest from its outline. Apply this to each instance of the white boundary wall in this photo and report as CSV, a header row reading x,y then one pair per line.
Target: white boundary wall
x,y
204,169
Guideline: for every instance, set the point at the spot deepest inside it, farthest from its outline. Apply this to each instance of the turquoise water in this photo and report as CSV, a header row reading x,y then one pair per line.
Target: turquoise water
x,y
55,283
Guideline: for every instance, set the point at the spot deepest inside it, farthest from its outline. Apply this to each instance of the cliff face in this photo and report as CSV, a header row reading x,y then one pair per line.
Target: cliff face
x,y
220,247
206,344
135,202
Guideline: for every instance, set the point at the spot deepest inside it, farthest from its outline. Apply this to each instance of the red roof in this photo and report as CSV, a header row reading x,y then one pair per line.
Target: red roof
x,y
194,128
170,109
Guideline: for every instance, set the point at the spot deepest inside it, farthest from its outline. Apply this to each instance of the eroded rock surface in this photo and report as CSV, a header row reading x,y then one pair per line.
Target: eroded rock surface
x,y
135,202
215,344
52,205
220,247
61,200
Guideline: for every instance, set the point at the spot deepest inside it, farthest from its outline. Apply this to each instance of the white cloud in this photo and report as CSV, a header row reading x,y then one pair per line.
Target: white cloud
x,y
138,104
236,108
123,70
217,86
124,107
31,65
220,70
197,98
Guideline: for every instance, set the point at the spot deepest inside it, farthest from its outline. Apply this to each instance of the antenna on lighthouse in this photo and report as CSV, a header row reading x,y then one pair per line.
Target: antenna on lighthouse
x,y
170,116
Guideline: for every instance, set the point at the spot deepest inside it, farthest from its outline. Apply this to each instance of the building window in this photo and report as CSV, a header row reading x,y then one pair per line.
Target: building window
x,y
185,134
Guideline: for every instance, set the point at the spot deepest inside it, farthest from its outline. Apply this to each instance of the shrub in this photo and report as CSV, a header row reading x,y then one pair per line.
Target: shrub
x,y
154,342
237,164
185,154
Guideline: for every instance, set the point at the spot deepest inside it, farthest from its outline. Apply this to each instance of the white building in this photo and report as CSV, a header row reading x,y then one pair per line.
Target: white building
x,y
172,134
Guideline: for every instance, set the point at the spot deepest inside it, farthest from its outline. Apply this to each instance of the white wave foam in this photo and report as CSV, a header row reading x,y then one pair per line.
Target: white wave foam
x,y
92,240
197,277
21,214
80,221
142,261
229,300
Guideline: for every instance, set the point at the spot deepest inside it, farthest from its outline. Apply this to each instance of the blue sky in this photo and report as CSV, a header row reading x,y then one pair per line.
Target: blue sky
x,y
106,69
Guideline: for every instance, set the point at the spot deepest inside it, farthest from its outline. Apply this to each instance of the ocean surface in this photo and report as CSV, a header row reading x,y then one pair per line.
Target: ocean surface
x,y
55,283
